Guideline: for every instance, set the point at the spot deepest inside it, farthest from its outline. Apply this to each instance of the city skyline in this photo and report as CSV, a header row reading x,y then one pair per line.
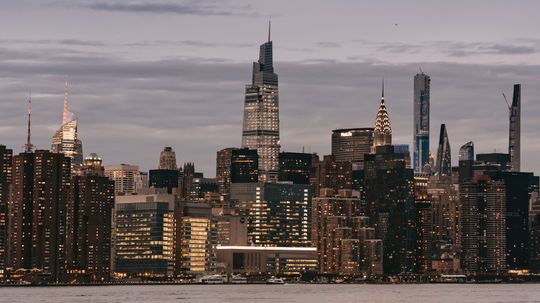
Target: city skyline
x,y
112,97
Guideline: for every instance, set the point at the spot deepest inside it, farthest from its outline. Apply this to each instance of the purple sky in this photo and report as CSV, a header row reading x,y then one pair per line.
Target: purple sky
x,y
148,74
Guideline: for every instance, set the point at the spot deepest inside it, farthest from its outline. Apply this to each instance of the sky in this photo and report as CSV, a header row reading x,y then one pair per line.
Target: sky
x,y
148,74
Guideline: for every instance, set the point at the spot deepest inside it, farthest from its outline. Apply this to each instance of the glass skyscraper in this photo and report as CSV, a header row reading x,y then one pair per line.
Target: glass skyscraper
x,y
65,140
261,114
421,121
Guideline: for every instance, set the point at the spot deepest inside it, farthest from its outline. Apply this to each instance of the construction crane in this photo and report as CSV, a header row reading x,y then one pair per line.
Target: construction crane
x,y
508,104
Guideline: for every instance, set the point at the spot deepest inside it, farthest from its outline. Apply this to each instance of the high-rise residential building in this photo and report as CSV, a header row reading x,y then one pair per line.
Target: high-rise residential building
x,y
261,114
332,174
390,206
443,167
295,167
483,224
279,214
90,223
382,133
343,237
6,158
127,178
66,139
351,144
167,159
520,188
514,138
443,192
421,121
144,235
38,212
244,166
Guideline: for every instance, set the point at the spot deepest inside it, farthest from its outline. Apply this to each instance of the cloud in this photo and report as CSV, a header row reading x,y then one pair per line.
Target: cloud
x,y
196,8
328,44
129,110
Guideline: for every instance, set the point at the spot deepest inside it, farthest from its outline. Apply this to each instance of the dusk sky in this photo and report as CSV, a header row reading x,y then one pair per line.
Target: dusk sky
x,y
148,74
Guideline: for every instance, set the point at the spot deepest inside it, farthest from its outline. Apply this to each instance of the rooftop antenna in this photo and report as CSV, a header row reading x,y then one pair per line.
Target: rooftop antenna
x,y
382,88
269,27
28,147
65,114
419,67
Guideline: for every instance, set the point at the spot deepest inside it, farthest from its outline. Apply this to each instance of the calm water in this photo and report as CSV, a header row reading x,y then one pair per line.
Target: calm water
x,y
521,293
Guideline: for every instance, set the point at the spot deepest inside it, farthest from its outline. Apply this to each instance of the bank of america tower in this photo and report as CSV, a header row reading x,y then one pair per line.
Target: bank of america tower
x,y
261,114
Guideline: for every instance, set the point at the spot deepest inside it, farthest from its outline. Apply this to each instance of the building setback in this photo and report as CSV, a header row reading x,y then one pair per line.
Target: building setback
x,y
260,129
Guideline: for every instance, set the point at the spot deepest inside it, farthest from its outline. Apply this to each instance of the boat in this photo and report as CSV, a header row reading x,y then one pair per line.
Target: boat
x,y
213,279
238,280
274,280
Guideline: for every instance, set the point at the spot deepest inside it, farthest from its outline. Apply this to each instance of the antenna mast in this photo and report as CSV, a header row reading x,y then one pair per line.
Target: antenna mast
x,y
28,147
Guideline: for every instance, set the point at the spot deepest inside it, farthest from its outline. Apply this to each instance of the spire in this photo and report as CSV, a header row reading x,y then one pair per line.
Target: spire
x,y
269,27
65,114
28,147
382,96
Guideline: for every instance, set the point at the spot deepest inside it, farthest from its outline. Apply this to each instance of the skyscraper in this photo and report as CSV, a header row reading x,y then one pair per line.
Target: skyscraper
x,y
66,140
483,223
261,113
295,167
444,161
89,223
351,144
6,157
421,121
38,212
383,128
466,151
514,144
167,159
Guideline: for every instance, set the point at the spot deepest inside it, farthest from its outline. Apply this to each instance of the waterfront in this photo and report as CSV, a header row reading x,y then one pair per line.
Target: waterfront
x,y
316,293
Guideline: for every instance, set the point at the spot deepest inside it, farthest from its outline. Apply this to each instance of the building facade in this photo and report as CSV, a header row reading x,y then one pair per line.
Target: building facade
x,y
421,121
261,114
351,144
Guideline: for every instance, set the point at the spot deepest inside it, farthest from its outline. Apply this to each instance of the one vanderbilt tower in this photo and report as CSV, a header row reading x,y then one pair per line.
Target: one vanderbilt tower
x,y
261,114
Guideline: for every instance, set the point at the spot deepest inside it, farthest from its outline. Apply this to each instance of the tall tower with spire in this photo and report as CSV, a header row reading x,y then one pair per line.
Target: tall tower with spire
x,y
421,121
444,160
514,138
66,140
261,113
383,128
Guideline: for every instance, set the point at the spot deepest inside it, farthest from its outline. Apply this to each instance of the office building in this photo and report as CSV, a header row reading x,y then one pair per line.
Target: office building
x,y
351,144
382,133
128,180
244,166
144,235
421,121
261,114
279,214
443,167
66,140
332,174
223,174
167,159
164,178
295,167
